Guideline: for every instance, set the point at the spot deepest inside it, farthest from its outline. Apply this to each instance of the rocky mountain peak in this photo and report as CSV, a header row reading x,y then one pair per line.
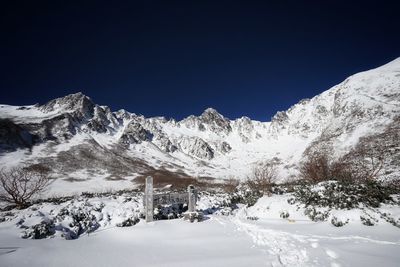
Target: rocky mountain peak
x,y
209,144
211,112
71,102
215,120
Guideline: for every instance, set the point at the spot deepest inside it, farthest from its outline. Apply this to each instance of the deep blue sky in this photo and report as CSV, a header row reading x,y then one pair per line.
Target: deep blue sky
x,y
174,59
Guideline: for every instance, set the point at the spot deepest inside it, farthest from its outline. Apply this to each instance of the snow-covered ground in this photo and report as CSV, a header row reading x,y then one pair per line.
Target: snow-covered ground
x,y
218,241
254,236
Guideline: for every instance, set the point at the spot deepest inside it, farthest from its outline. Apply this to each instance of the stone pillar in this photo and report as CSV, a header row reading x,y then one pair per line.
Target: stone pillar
x,y
192,199
148,199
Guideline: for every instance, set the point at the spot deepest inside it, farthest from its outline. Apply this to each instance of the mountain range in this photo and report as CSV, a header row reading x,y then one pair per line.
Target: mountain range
x,y
89,147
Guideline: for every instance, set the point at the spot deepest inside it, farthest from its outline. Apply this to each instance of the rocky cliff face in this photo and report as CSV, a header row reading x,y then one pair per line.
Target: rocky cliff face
x,y
80,138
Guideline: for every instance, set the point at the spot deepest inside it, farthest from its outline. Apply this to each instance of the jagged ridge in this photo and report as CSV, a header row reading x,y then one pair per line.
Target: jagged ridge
x,y
205,145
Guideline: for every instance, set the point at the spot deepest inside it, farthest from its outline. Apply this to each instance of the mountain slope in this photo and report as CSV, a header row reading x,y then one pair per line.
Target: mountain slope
x,y
99,149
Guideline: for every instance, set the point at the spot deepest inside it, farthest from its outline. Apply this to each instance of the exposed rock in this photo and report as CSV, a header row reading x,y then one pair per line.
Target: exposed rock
x,y
164,143
215,121
197,147
73,102
134,133
72,133
223,147
13,136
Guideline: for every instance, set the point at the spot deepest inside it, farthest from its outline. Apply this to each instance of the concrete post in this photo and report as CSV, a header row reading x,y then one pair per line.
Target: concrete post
x,y
148,199
192,199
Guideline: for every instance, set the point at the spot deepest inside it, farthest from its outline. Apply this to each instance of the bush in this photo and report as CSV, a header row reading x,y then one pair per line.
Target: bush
x,y
128,222
338,223
363,163
262,178
367,221
39,231
316,168
167,212
82,220
388,217
284,214
246,197
315,215
230,185
19,185
339,195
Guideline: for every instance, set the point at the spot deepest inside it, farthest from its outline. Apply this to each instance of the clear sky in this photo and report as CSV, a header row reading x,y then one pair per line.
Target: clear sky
x,y
176,58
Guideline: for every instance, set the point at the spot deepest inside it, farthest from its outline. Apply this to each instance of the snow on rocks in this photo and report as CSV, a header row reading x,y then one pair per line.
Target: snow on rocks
x,y
282,207
208,145
281,235
72,218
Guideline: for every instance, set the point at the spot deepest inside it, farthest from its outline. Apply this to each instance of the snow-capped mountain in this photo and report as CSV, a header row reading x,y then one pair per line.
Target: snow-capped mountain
x,y
88,143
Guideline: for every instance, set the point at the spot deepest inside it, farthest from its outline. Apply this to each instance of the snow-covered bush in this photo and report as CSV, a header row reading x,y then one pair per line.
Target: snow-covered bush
x,y
83,220
74,217
284,214
167,212
367,221
210,203
338,223
389,218
225,211
246,197
316,215
128,222
339,195
39,231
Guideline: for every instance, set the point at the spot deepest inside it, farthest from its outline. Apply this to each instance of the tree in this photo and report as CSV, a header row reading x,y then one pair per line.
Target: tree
x,y
20,184
262,178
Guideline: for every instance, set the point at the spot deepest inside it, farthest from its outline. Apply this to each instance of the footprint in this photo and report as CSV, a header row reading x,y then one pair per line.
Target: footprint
x,y
331,254
7,250
314,245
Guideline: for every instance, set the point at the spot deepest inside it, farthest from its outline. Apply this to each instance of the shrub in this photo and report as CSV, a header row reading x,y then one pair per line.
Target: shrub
x,y
39,231
246,197
262,178
362,163
367,221
316,168
334,194
128,222
284,214
388,217
230,185
316,215
338,223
